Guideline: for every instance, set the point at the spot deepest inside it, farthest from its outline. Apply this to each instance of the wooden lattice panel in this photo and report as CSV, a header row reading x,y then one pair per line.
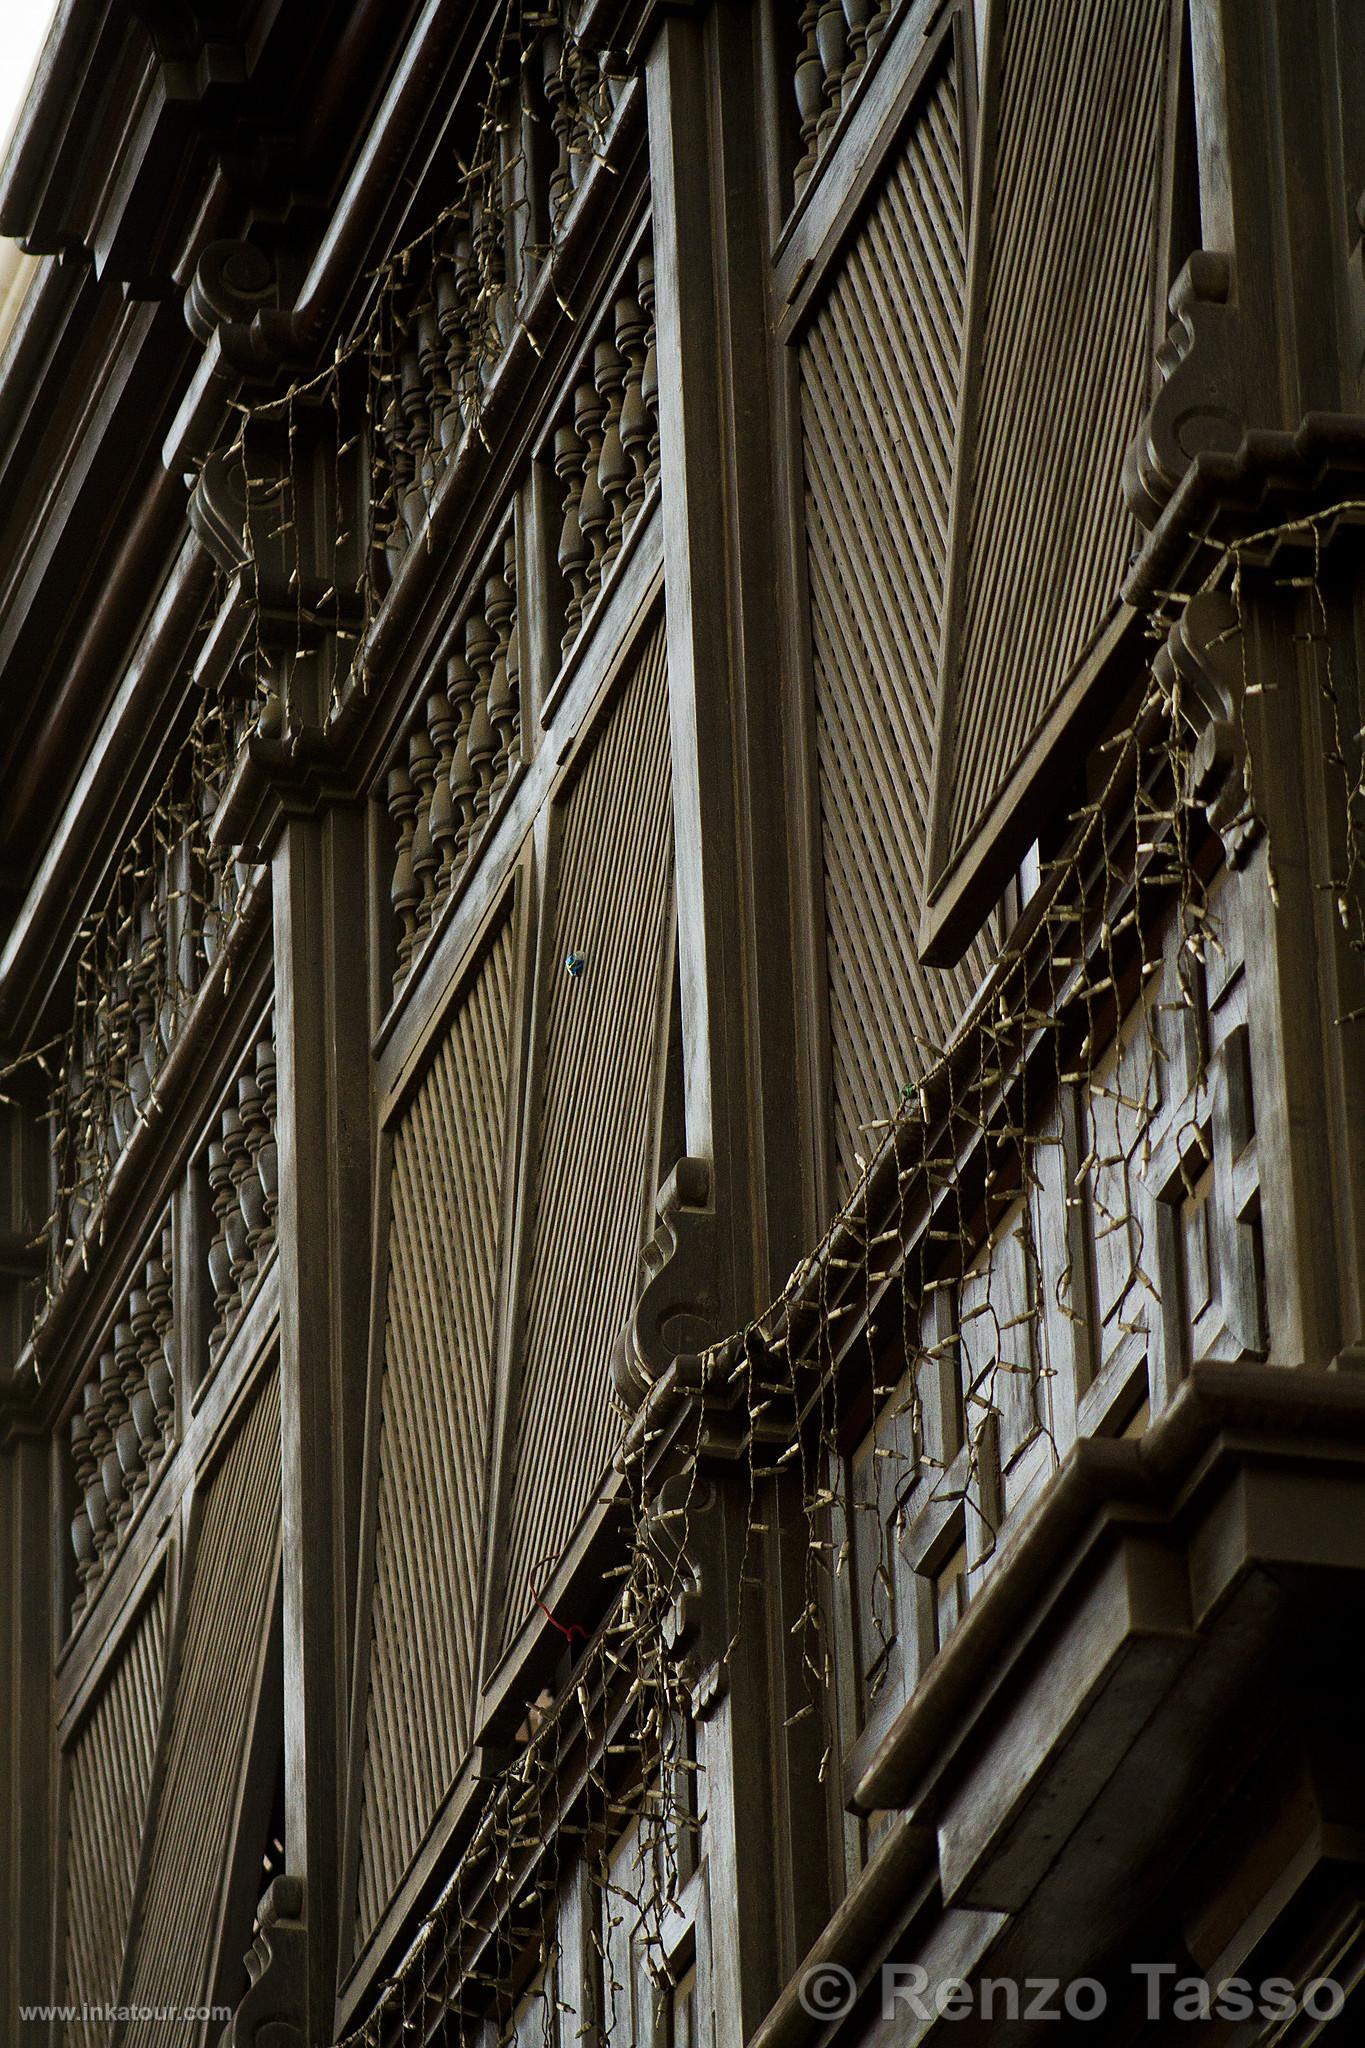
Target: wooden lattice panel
x,y
1064,271
879,381
433,1490
222,1635
109,1775
595,1138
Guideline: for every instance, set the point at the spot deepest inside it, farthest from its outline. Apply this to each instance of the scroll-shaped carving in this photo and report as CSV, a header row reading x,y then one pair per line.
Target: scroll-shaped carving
x,y
676,1309
1203,657
685,1530
1199,407
217,508
232,281
272,2013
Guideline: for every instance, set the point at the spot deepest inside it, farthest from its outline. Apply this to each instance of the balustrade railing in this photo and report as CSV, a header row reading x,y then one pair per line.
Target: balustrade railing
x,y
606,451
143,960
455,298
124,1423
243,1182
463,743
836,41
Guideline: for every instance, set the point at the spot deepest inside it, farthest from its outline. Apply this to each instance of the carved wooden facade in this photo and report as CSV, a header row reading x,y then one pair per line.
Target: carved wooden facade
x,y
680,1017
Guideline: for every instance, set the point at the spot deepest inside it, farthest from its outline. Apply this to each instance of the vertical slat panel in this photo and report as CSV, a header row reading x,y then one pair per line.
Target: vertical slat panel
x,y
432,1497
1063,281
879,370
109,1773
594,1133
225,1617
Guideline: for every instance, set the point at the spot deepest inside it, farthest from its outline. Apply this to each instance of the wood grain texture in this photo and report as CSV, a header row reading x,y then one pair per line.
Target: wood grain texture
x,y
222,1631
879,369
109,1774
594,1129
433,1487
1064,269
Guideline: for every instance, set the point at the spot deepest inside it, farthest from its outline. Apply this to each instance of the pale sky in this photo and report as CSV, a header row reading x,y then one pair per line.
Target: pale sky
x,y
23,25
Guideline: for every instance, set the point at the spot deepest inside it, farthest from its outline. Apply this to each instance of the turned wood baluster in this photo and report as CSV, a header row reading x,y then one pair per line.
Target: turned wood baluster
x,y
497,610
175,973
584,81
649,376
128,1432
120,1097
234,1152
436,384
161,1371
561,126
450,321
492,257
829,36
593,509
98,1506
82,1526
513,730
142,981
422,772
810,90
857,15
630,340
881,14
461,686
112,1420
399,485
250,1191
441,732
143,1395
573,550
412,399
613,468
223,1198
83,1154
267,1156
478,646
467,292
404,889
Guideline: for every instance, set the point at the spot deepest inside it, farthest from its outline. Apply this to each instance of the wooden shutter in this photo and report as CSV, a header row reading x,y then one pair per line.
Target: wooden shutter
x,y
1066,267
221,1641
108,1778
605,1037
432,1500
879,373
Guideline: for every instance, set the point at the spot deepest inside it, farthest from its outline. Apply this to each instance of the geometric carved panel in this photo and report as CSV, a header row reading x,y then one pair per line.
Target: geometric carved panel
x,y
433,1488
879,371
224,1619
109,1773
605,1038
1064,270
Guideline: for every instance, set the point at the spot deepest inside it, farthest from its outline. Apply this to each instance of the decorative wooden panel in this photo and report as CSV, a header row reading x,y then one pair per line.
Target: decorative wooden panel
x,y
879,380
225,1615
594,1141
433,1488
109,1774
1064,268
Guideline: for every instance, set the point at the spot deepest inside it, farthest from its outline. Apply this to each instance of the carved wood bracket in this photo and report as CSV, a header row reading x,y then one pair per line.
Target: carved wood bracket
x,y
272,2011
1203,658
676,1309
